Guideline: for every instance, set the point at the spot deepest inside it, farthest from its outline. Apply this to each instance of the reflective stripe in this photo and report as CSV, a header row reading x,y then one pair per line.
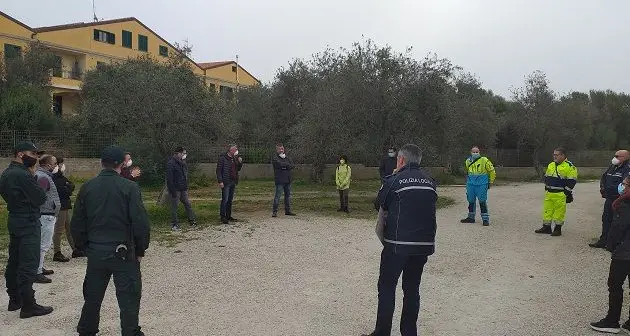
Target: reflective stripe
x,y
415,187
408,243
567,188
554,188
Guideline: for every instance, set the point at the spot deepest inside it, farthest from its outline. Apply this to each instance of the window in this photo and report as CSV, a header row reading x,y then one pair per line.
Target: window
x,y
12,51
57,105
143,43
226,91
163,51
100,64
233,68
57,70
212,87
103,36
126,39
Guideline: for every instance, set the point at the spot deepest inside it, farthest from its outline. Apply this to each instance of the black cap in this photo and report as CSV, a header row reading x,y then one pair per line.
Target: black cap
x,y
113,154
25,147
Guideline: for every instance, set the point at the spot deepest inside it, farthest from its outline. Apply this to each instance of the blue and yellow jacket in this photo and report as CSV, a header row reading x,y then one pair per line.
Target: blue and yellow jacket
x,y
561,177
480,171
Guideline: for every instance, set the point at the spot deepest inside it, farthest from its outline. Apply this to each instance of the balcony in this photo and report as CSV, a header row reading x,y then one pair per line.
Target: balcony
x,y
66,79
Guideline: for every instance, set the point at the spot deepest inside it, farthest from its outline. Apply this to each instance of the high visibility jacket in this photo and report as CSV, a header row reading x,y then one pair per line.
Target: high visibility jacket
x,y
561,177
480,171
343,174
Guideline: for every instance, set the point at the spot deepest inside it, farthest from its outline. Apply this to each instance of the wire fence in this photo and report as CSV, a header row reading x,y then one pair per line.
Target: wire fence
x,y
72,144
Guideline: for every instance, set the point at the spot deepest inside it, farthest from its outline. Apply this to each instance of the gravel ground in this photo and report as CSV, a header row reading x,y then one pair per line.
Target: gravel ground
x,y
317,276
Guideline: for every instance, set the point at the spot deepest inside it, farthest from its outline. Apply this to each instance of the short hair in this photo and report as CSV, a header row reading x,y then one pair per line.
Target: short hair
x,y
127,153
179,149
475,146
230,146
343,157
411,153
561,150
59,160
46,159
391,147
279,145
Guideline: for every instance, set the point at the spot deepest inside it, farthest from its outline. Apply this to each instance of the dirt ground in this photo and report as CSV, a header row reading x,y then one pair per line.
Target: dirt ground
x,y
317,276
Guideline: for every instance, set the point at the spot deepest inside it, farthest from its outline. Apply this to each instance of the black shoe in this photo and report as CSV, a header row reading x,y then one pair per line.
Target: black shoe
x,y
290,214
42,279
467,220
60,257
346,210
47,272
544,229
274,214
606,327
371,334
78,254
225,221
175,227
626,327
486,223
598,244
192,223
557,231
232,219
35,310
14,304
340,210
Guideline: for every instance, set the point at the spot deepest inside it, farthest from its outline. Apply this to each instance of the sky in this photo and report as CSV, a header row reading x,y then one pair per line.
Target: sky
x,y
580,44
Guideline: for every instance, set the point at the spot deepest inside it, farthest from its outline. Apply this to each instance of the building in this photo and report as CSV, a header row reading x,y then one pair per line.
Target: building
x,y
83,46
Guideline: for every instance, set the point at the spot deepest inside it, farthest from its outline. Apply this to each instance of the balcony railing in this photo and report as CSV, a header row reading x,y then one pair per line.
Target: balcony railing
x,y
76,74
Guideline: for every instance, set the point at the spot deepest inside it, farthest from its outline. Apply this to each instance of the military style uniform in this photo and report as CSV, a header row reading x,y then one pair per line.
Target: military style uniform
x,y
23,196
111,225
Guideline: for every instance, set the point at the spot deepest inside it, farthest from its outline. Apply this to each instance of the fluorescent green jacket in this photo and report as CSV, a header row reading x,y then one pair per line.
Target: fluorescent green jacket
x,y
342,177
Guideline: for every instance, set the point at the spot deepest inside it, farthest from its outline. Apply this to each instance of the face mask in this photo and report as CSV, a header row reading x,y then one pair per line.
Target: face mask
x,y
475,155
55,170
129,163
184,156
621,188
342,161
282,155
391,154
29,162
236,153
615,161
62,168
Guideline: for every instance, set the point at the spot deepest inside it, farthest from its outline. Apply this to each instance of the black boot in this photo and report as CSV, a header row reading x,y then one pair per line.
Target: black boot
x,y
78,254
60,257
15,303
557,231
35,310
467,220
546,228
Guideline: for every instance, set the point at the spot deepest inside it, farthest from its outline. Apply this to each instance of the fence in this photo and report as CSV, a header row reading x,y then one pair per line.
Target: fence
x,y
71,144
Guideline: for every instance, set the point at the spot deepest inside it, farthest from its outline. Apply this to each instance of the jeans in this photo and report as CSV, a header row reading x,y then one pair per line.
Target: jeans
x,y
607,217
227,196
62,225
280,188
619,271
181,196
343,199
48,229
411,267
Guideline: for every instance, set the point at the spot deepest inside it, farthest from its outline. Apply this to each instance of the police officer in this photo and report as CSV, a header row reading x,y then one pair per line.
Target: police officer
x,y
23,196
111,225
560,179
407,226
608,184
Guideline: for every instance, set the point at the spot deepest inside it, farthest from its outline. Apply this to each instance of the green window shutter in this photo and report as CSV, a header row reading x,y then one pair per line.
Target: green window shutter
x,y
111,38
127,39
143,43
163,51
12,51
95,34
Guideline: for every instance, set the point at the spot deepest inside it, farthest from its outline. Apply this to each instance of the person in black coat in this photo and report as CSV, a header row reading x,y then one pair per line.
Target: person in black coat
x,y
388,163
177,186
65,188
228,166
619,245
282,167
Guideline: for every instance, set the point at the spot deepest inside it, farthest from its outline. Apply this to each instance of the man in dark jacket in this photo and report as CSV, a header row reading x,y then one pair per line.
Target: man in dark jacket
x,y
228,166
406,228
65,188
619,244
282,167
611,178
111,224
388,163
177,186
128,170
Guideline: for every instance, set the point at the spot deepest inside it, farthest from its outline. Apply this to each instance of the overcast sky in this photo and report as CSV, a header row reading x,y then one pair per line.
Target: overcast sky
x,y
579,44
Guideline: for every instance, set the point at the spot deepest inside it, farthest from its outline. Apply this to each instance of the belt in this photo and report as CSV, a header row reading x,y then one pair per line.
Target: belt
x,y
48,214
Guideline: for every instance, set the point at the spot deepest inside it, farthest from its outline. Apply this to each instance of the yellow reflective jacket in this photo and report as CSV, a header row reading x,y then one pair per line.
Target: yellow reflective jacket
x,y
561,177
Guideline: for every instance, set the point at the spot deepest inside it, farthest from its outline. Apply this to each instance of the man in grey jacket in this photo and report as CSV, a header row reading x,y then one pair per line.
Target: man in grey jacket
x,y
48,211
282,167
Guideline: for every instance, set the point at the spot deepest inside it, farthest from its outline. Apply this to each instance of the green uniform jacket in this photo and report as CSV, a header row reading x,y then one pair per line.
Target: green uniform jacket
x,y
20,190
342,176
106,207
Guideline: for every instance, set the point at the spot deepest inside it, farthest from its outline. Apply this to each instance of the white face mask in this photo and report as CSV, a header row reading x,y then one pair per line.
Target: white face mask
x,y
282,155
236,153
55,170
391,154
62,168
184,156
129,163
615,161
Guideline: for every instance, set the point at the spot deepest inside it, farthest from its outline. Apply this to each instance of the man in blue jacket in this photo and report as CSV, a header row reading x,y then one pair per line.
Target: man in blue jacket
x,y
177,186
282,167
228,166
407,226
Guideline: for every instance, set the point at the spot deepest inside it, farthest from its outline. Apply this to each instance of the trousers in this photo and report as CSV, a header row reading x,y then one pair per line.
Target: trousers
x,y
227,196
343,199
607,217
474,193
62,226
280,189
101,266
619,271
181,196
392,265
554,208
48,229
24,255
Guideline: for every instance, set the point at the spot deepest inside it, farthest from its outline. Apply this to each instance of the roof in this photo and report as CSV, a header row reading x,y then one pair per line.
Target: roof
x,y
212,65
15,20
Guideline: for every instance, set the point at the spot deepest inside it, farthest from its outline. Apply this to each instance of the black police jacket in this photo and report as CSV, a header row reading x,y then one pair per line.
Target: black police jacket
x,y
388,164
20,190
611,179
619,236
410,198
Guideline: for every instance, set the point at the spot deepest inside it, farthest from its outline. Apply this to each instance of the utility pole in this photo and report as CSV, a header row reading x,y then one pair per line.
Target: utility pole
x,y
94,10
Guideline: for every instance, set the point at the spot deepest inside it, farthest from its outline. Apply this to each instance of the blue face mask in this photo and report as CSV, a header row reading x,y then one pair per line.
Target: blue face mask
x,y
475,155
621,188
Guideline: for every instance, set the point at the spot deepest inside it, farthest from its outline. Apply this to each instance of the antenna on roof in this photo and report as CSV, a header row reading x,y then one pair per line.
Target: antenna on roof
x,y
94,10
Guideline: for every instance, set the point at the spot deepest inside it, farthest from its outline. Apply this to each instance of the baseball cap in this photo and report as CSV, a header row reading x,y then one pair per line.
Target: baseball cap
x,y
25,147
113,154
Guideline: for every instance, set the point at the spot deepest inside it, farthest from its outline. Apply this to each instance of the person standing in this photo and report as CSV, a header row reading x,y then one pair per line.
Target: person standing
x,y
128,171
611,178
48,211
343,176
388,163
618,243
480,174
228,166
111,224
65,188
560,179
23,196
282,167
406,228
177,186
